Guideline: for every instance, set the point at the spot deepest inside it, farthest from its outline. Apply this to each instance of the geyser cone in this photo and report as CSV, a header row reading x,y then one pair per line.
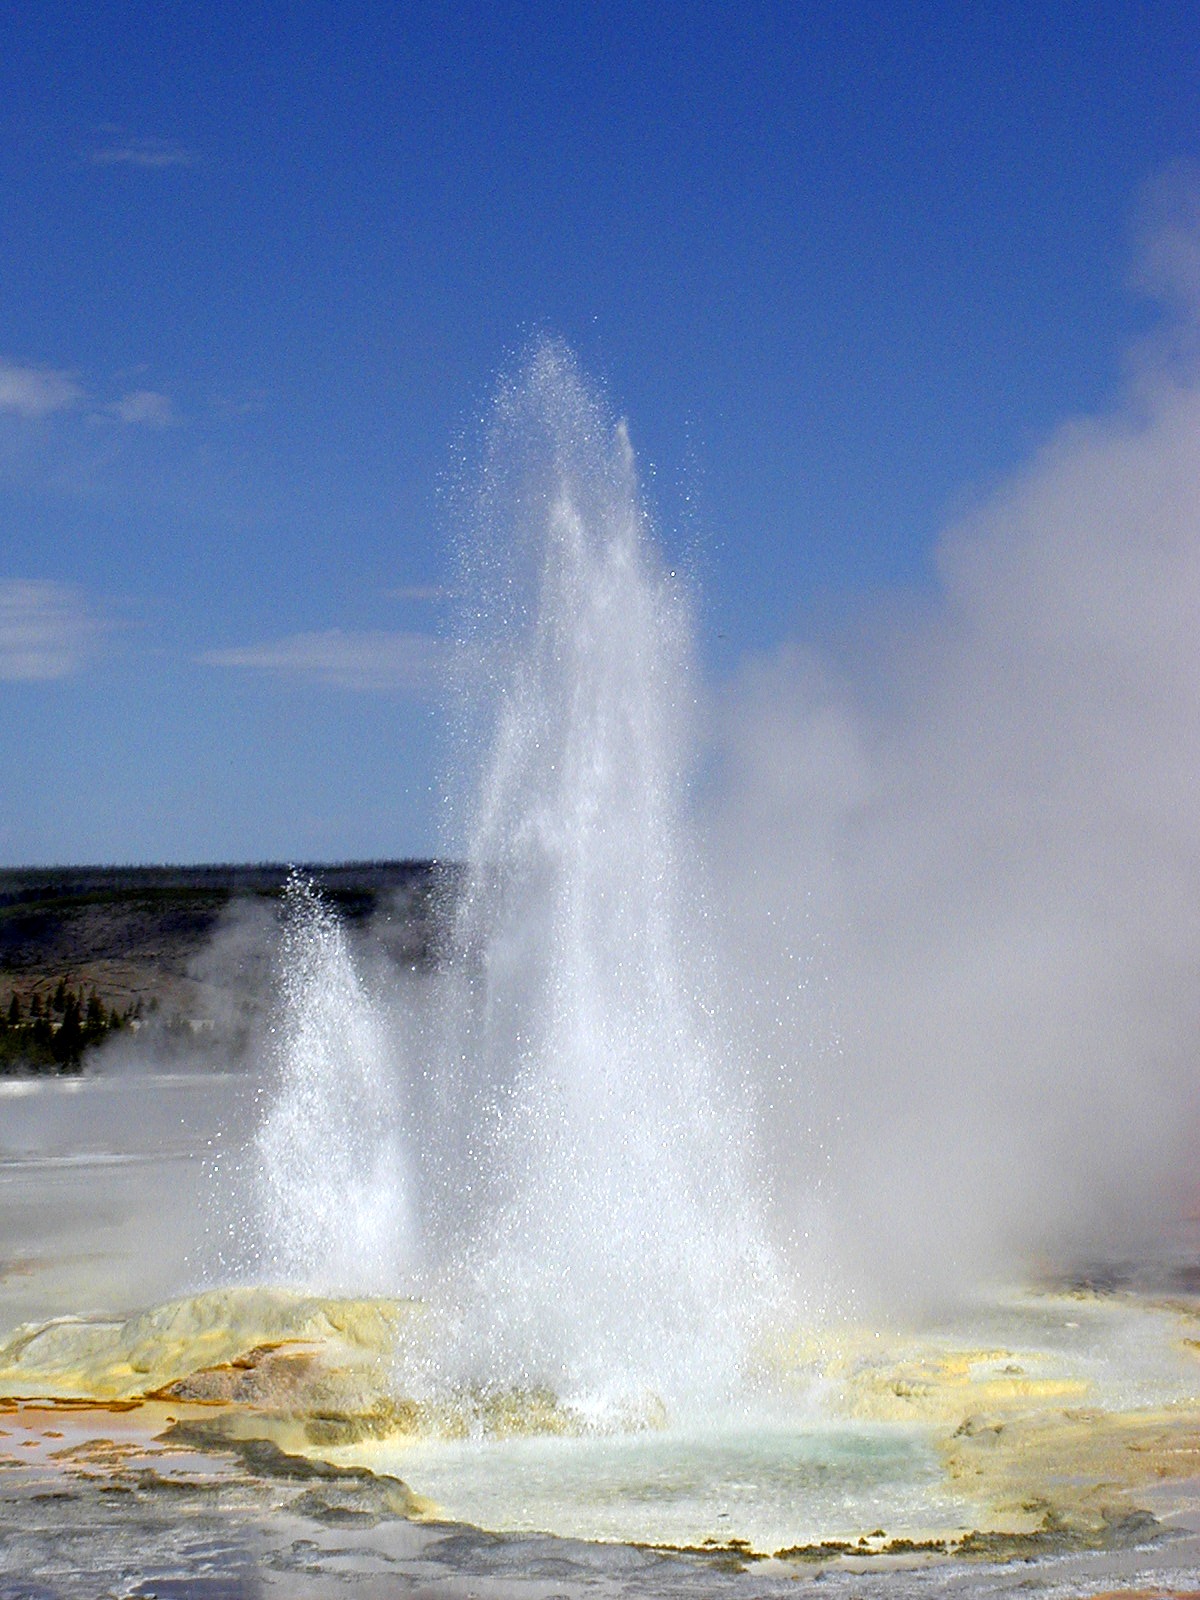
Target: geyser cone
x,y
625,1248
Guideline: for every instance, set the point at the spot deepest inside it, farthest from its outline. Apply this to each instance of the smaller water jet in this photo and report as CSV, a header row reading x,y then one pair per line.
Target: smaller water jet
x,y
331,1207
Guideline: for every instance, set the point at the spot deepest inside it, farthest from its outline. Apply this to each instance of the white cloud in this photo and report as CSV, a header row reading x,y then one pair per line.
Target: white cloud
x,y
373,660
36,391
144,408
1168,262
46,629
149,153
420,592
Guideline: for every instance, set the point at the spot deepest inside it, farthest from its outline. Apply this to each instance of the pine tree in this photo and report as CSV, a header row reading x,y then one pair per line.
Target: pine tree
x,y
69,1041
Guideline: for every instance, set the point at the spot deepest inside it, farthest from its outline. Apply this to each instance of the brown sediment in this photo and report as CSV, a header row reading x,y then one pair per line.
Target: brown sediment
x,y
1147,1594
266,1459
1052,1534
155,1449
822,1550
76,1438
720,1555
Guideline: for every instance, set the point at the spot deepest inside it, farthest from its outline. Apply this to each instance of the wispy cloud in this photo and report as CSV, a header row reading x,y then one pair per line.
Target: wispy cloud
x,y
144,408
148,153
47,630
420,592
36,391
371,661
1168,261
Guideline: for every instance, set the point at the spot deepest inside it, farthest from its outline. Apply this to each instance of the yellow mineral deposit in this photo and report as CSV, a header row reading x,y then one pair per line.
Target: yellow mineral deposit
x,y
1038,1447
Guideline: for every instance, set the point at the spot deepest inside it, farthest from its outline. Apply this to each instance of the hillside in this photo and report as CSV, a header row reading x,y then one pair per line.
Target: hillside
x,y
188,949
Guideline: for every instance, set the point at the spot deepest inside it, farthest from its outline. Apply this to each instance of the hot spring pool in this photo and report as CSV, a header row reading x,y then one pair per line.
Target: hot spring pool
x,y
767,1487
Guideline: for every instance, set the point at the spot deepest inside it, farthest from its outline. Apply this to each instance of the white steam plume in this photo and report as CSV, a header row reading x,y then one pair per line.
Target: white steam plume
x,y
966,863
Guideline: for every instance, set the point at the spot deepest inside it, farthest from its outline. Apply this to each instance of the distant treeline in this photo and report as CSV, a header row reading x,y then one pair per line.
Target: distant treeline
x,y
345,883
84,950
51,1035
55,919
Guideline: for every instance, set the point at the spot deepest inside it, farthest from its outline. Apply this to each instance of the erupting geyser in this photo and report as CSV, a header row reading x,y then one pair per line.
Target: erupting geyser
x,y
331,1204
623,1248
583,1153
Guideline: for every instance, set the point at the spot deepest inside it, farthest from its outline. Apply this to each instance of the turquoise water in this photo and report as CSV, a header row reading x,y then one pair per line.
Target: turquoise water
x,y
770,1487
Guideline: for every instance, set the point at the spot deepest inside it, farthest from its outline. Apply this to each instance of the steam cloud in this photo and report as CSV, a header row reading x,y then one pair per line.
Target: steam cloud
x,y
965,861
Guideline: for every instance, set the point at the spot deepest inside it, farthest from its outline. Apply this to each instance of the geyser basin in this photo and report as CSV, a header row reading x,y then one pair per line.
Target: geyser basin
x,y
1076,1433
1030,1424
1034,1418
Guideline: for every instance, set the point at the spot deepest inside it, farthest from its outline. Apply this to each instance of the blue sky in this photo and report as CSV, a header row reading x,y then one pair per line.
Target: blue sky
x,y
844,268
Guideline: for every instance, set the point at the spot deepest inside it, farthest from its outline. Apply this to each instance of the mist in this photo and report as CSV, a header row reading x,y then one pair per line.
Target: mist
x,y
961,851
218,1012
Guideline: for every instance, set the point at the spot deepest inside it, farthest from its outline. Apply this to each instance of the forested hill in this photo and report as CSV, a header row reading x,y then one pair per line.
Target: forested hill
x,y
183,944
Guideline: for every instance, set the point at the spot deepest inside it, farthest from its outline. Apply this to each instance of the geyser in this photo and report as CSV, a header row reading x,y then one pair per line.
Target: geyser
x,y
330,1198
622,1244
582,1149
